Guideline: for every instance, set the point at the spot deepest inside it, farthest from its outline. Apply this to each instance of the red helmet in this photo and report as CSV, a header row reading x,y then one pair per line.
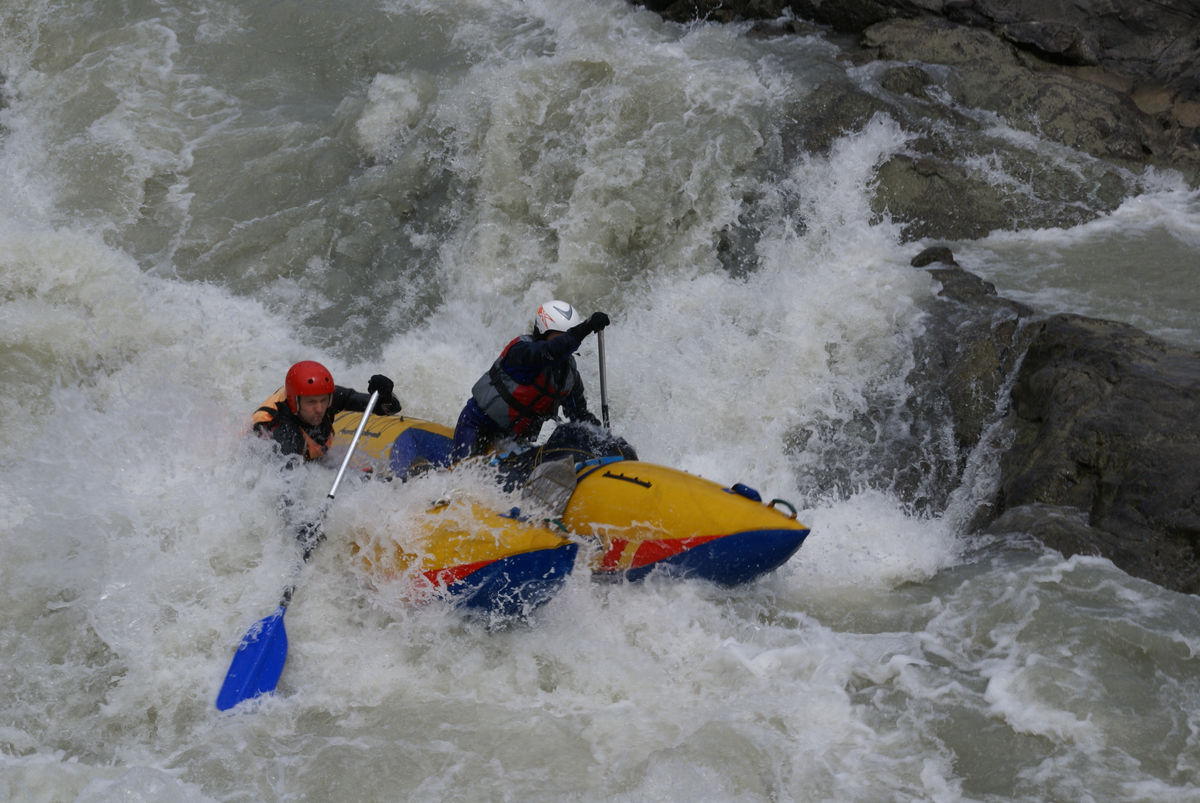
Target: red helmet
x,y
306,378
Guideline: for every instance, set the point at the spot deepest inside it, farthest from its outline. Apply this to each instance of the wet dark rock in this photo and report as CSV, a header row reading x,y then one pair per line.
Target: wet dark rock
x,y
1118,83
972,344
936,188
936,198
918,446
1135,42
991,73
1106,420
1059,527
825,115
1096,423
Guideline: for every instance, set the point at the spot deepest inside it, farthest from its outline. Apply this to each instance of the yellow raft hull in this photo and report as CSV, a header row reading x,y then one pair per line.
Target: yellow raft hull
x,y
649,517
480,558
638,517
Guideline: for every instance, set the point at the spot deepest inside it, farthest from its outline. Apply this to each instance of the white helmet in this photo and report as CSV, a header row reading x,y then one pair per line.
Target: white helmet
x,y
556,316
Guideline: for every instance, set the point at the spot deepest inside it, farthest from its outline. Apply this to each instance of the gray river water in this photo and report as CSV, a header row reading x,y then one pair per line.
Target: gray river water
x,y
197,194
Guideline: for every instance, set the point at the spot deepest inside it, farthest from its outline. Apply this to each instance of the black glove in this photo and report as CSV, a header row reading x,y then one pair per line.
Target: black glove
x,y
381,383
309,534
388,404
593,324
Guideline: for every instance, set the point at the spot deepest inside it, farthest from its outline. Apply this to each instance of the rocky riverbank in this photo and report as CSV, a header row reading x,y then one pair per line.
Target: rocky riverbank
x,y
1097,423
1117,84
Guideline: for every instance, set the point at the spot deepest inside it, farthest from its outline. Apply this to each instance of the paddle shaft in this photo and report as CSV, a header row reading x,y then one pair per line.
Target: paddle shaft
x,y
258,661
314,530
362,423
603,379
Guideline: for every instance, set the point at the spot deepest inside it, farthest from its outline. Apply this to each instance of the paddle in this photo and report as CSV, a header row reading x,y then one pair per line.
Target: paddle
x,y
258,662
603,380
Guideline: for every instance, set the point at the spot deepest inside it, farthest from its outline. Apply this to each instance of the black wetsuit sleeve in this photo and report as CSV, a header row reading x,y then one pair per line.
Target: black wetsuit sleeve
x,y
575,406
347,399
536,353
288,435
350,399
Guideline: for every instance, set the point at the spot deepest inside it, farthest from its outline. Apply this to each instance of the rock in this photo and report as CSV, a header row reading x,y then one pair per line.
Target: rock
x,y
990,73
1118,81
1106,420
1097,425
825,115
935,198
1064,529
1138,42
972,344
936,188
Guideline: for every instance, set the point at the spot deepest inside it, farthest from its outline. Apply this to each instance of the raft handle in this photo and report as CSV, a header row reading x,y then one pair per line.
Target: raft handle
x,y
789,505
742,489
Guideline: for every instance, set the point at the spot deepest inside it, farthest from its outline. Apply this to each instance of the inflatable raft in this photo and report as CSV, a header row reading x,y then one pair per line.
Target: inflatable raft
x,y
582,495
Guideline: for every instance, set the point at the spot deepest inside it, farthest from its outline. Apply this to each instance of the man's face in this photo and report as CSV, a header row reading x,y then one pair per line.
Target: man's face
x,y
311,409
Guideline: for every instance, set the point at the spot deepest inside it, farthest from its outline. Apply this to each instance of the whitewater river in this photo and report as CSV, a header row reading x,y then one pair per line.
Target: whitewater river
x,y
197,193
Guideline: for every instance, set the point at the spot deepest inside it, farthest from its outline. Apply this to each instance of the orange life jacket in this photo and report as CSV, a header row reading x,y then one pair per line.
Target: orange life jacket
x,y
269,416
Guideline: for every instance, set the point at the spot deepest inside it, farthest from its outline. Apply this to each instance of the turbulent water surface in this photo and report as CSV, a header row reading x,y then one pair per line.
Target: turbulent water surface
x,y
196,194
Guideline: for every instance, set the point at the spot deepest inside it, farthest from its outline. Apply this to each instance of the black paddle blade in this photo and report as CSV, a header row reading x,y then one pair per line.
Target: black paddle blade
x,y
258,662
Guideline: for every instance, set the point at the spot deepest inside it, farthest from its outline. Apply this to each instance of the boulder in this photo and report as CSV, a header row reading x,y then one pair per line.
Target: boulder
x,y
936,187
1117,81
1096,424
990,72
1105,420
973,342
1141,44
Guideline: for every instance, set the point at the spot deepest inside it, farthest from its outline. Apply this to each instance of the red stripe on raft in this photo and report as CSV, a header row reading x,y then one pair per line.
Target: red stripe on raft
x,y
651,551
446,577
612,557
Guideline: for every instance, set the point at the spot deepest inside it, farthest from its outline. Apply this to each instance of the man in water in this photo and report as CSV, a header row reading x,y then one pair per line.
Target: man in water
x,y
299,416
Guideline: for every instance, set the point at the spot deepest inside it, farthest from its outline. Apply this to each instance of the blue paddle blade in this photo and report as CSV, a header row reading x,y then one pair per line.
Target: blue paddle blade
x,y
258,662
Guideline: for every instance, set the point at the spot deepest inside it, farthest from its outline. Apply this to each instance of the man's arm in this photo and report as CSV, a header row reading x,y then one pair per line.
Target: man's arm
x,y
575,406
351,399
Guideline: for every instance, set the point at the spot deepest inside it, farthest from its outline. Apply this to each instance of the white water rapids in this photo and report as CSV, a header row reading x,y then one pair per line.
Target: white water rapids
x,y
197,194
